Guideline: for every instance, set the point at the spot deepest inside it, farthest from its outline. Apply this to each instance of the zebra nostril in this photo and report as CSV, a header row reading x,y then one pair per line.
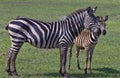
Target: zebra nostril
x,y
104,32
99,30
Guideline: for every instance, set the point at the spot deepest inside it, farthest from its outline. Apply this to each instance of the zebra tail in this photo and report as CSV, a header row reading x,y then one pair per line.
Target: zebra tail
x,y
6,27
15,18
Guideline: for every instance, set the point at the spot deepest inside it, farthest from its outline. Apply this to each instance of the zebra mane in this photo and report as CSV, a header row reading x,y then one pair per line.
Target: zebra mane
x,y
76,12
88,9
62,18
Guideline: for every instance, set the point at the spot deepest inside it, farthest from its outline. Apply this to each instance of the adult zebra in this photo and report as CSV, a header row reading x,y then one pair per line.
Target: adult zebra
x,y
58,34
87,40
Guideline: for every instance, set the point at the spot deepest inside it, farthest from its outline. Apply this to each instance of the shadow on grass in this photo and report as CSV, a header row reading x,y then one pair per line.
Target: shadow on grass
x,y
52,74
102,72
98,73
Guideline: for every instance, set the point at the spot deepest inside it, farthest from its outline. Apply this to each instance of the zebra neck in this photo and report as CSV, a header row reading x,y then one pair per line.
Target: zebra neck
x,y
74,26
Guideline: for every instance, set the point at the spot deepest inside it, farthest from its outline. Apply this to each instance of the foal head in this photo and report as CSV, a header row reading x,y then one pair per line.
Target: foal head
x,y
102,24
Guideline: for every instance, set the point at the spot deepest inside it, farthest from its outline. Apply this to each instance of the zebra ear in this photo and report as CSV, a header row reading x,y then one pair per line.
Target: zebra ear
x,y
91,10
94,9
88,9
106,18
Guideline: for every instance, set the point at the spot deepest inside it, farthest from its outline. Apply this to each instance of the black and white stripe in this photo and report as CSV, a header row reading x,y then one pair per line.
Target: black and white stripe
x,y
87,40
58,34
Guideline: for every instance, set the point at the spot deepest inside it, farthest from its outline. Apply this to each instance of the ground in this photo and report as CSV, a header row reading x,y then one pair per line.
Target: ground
x,y
44,63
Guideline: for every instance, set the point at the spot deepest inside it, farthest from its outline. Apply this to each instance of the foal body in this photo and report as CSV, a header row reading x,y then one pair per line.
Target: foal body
x,y
87,40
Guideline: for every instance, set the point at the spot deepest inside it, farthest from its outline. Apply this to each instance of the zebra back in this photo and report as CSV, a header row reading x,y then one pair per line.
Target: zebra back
x,y
52,34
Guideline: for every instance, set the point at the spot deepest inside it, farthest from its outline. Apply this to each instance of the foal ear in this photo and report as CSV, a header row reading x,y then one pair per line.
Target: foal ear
x,y
106,18
98,18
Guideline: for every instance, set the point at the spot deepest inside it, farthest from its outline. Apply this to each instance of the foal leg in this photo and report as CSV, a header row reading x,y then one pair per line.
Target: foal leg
x,y
86,61
70,55
63,56
90,59
77,57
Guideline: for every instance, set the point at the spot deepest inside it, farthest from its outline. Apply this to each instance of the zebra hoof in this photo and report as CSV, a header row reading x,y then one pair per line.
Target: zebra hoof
x,y
69,68
79,68
9,73
66,76
85,71
90,72
14,73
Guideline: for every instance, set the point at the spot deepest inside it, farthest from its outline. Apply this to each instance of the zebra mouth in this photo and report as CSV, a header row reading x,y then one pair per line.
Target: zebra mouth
x,y
104,32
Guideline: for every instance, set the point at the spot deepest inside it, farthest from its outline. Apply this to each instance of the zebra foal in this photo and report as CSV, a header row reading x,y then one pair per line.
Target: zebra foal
x,y
87,40
58,34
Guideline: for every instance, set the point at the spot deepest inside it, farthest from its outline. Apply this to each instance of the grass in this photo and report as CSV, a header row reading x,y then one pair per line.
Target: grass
x,y
44,63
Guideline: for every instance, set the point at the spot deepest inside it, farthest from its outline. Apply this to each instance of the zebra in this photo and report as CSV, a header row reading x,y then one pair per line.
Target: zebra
x,y
57,34
87,40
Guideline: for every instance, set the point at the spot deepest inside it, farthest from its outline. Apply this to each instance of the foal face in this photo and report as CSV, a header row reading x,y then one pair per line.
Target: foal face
x,y
102,24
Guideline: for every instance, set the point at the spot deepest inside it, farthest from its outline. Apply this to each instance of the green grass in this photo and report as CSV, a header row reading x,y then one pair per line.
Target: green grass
x,y
44,63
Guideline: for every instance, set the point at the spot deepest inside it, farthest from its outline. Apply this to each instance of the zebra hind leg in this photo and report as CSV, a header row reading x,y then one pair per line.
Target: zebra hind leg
x,y
8,64
13,58
12,54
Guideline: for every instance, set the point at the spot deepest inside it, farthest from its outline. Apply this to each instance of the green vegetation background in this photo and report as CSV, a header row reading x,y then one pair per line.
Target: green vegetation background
x,y
44,63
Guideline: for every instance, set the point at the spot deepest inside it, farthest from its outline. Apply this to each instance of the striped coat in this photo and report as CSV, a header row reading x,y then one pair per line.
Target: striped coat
x,y
87,40
58,34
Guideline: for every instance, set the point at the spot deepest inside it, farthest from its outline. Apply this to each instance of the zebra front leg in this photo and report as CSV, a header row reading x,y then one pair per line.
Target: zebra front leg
x,y
77,57
63,56
8,64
